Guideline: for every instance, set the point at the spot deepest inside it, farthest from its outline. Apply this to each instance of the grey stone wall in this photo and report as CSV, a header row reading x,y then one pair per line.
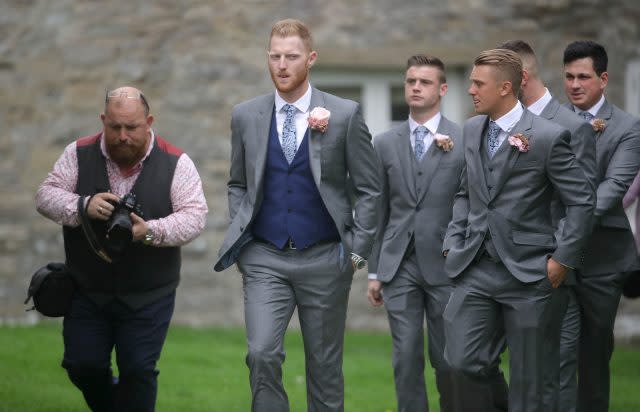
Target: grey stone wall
x,y
196,59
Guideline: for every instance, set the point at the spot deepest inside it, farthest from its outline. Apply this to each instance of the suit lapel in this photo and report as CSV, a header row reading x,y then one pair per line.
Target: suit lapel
x,y
550,110
262,125
475,166
605,113
402,145
315,138
524,127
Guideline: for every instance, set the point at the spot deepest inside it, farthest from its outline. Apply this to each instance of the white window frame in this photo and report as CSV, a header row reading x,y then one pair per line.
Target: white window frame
x,y
632,88
376,93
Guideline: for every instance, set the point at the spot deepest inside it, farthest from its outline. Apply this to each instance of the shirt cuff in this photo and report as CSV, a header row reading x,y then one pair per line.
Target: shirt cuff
x,y
372,276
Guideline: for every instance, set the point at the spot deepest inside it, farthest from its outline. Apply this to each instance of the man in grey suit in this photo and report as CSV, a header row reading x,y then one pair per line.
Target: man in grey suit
x,y
537,99
421,166
500,246
293,233
610,252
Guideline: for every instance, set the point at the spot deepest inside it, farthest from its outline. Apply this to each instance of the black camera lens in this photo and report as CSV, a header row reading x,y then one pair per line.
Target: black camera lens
x,y
119,226
119,230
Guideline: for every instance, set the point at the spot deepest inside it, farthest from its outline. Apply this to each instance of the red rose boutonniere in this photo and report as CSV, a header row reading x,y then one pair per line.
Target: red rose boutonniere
x,y
443,141
520,142
319,119
598,124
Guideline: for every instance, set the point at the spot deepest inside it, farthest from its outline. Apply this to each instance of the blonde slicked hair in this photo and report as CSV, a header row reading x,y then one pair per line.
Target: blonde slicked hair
x,y
292,27
507,63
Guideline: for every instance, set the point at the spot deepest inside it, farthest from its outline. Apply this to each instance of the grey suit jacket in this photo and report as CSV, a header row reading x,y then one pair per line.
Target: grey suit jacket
x,y
611,247
583,137
406,213
583,145
517,212
344,149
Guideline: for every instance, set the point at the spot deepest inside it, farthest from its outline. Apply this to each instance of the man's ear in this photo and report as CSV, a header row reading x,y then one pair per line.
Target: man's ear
x,y
149,121
506,88
312,59
525,77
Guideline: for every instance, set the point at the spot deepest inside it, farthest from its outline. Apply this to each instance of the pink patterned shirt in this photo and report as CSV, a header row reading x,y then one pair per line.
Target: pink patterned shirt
x,y
57,201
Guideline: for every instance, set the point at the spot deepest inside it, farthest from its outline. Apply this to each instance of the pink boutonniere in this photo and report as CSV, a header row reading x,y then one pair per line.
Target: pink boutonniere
x,y
520,142
443,141
319,119
598,124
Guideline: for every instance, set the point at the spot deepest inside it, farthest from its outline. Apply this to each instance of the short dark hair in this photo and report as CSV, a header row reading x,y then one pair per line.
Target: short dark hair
x,y
508,63
581,49
427,60
526,53
519,46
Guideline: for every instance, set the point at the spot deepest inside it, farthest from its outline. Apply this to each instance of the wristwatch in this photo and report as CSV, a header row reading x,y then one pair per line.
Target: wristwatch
x,y
148,238
358,261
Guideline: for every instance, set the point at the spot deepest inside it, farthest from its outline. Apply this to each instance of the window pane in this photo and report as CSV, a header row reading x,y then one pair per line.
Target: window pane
x,y
346,92
399,108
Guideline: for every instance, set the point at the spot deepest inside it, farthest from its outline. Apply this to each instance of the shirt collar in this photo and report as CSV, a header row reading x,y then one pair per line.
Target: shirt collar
x,y
509,120
302,104
431,124
593,110
538,106
103,148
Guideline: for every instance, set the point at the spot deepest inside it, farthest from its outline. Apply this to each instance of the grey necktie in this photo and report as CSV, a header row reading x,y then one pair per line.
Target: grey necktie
x,y
289,145
492,138
586,116
419,149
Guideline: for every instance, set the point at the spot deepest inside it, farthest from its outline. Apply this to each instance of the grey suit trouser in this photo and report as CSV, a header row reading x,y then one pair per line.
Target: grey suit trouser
x,y
317,281
407,297
488,301
560,299
588,331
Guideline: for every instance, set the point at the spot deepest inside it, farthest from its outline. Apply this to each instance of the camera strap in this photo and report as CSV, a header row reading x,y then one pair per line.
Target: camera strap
x,y
97,248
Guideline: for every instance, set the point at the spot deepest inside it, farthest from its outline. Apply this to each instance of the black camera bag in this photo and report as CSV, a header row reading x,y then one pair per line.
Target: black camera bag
x,y
51,288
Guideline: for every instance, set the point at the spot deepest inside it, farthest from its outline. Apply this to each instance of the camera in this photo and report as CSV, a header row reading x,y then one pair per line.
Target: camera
x,y
119,225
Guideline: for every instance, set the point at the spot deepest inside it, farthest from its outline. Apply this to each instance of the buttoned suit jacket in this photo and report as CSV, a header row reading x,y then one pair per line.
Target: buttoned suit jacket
x,y
343,150
407,213
611,247
517,212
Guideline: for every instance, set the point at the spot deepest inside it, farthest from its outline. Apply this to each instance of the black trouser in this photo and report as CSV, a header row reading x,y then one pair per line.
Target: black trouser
x,y
91,332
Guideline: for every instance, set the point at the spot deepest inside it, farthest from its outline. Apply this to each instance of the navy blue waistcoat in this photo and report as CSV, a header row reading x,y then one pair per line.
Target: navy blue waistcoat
x,y
291,205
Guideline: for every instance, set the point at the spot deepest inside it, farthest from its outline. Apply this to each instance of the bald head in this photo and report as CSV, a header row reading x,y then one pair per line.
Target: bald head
x,y
127,126
126,95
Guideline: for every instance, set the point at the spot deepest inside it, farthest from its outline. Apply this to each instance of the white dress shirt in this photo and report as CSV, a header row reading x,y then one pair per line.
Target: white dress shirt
x,y
509,121
594,109
302,114
538,106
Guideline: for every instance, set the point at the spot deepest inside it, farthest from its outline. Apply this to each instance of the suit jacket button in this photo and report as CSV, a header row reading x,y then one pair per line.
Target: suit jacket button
x,y
417,208
242,228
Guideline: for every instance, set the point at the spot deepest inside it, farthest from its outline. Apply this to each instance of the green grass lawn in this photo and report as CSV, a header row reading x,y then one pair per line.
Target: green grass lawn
x,y
204,370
